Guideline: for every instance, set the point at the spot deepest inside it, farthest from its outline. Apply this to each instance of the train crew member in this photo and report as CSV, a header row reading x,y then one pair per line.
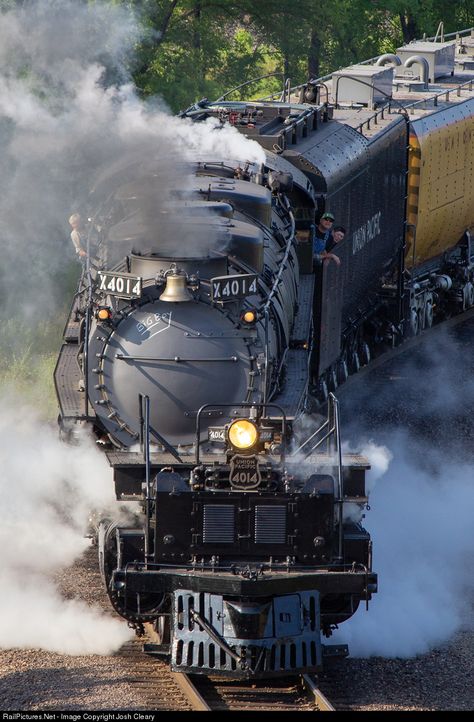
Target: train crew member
x,y
75,222
337,235
322,236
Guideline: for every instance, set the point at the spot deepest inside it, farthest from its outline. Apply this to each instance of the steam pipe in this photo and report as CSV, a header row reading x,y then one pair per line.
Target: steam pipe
x,y
145,415
389,58
425,68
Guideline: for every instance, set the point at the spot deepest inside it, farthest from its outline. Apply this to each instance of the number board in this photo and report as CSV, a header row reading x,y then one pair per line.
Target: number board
x,y
228,288
244,472
216,433
119,284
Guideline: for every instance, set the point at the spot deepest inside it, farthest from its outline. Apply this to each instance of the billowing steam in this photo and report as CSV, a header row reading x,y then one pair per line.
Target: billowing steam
x,y
48,490
379,458
418,414
421,526
68,110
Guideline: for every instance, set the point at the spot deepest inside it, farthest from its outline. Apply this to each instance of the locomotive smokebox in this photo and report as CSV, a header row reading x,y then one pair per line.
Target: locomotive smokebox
x,y
172,352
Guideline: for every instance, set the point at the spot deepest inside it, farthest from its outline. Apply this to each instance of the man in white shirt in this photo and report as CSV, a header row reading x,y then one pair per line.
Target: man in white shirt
x,y
76,224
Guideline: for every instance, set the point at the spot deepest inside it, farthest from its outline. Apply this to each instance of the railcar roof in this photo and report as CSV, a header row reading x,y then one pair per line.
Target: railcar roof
x,y
409,93
415,100
268,120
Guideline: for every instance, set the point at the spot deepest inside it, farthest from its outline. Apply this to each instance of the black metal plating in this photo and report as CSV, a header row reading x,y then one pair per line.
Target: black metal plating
x,y
326,582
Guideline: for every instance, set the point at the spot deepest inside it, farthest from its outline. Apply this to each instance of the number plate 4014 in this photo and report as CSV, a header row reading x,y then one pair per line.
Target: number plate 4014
x,y
244,472
119,284
228,288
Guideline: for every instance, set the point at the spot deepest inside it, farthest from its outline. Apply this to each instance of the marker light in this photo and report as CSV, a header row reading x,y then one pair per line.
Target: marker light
x,y
249,316
242,434
103,314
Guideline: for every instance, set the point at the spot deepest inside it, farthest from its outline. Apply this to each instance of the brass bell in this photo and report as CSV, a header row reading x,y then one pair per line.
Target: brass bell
x,y
176,290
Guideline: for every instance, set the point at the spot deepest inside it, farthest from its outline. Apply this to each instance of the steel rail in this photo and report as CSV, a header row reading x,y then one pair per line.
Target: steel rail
x,y
320,700
196,701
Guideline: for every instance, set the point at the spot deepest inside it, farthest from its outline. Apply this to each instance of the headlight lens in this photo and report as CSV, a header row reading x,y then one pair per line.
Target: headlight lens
x,y
104,313
243,434
249,317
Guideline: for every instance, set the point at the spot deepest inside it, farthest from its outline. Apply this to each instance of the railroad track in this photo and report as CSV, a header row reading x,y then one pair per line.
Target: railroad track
x,y
287,694
295,694
163,690
158,688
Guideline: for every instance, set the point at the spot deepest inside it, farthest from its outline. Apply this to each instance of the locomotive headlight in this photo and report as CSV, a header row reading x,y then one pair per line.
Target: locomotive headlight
x,y
249,317
243,434
104,313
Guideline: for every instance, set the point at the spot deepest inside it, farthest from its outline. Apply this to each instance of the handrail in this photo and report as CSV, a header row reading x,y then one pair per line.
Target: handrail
x,y
146,430
411,106
332,436
340,481
440,32
273,290
448,35
248,82
144,402
87,272
333,432
87,275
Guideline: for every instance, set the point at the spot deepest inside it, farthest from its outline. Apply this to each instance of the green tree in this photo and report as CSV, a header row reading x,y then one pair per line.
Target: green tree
x,y
201,48
196,48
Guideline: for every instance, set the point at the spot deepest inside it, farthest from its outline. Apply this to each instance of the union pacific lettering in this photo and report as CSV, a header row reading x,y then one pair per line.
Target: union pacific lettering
x,y
366,233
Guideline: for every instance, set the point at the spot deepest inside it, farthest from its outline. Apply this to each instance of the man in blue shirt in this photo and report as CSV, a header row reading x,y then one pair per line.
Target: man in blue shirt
x,y
321,238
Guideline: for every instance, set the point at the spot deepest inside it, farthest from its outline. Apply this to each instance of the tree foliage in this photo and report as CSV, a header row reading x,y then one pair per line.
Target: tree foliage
x,y
191,49
201,48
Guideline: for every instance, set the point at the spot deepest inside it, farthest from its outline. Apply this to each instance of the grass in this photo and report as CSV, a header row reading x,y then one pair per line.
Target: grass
x,y
28,354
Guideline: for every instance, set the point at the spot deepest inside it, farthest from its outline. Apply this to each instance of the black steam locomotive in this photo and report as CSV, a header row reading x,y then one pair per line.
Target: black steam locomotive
x,y
200,340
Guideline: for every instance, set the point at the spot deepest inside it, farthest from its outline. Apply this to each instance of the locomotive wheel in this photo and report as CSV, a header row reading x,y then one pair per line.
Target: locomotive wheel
x,y
332,379
342,372
468,295
365,355
428,314
355,362
138,608
421,319
414,322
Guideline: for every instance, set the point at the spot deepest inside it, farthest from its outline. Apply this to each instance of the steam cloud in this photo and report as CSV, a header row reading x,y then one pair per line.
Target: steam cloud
x,y
67,109
422,497
48,490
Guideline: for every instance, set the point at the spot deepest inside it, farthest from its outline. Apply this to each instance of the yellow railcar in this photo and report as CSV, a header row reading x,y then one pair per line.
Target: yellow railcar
x,y
440,181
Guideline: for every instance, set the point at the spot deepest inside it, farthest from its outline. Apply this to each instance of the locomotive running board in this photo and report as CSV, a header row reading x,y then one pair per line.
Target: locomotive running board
x,y
292,398
302,324
68,380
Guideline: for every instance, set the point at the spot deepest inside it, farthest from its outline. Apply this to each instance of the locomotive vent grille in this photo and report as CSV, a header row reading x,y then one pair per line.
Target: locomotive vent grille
x,y
218,524
270,524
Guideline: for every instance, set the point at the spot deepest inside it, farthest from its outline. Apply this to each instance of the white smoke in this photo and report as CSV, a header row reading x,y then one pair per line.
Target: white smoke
x,y
421,526
68,109
379,458
48,490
